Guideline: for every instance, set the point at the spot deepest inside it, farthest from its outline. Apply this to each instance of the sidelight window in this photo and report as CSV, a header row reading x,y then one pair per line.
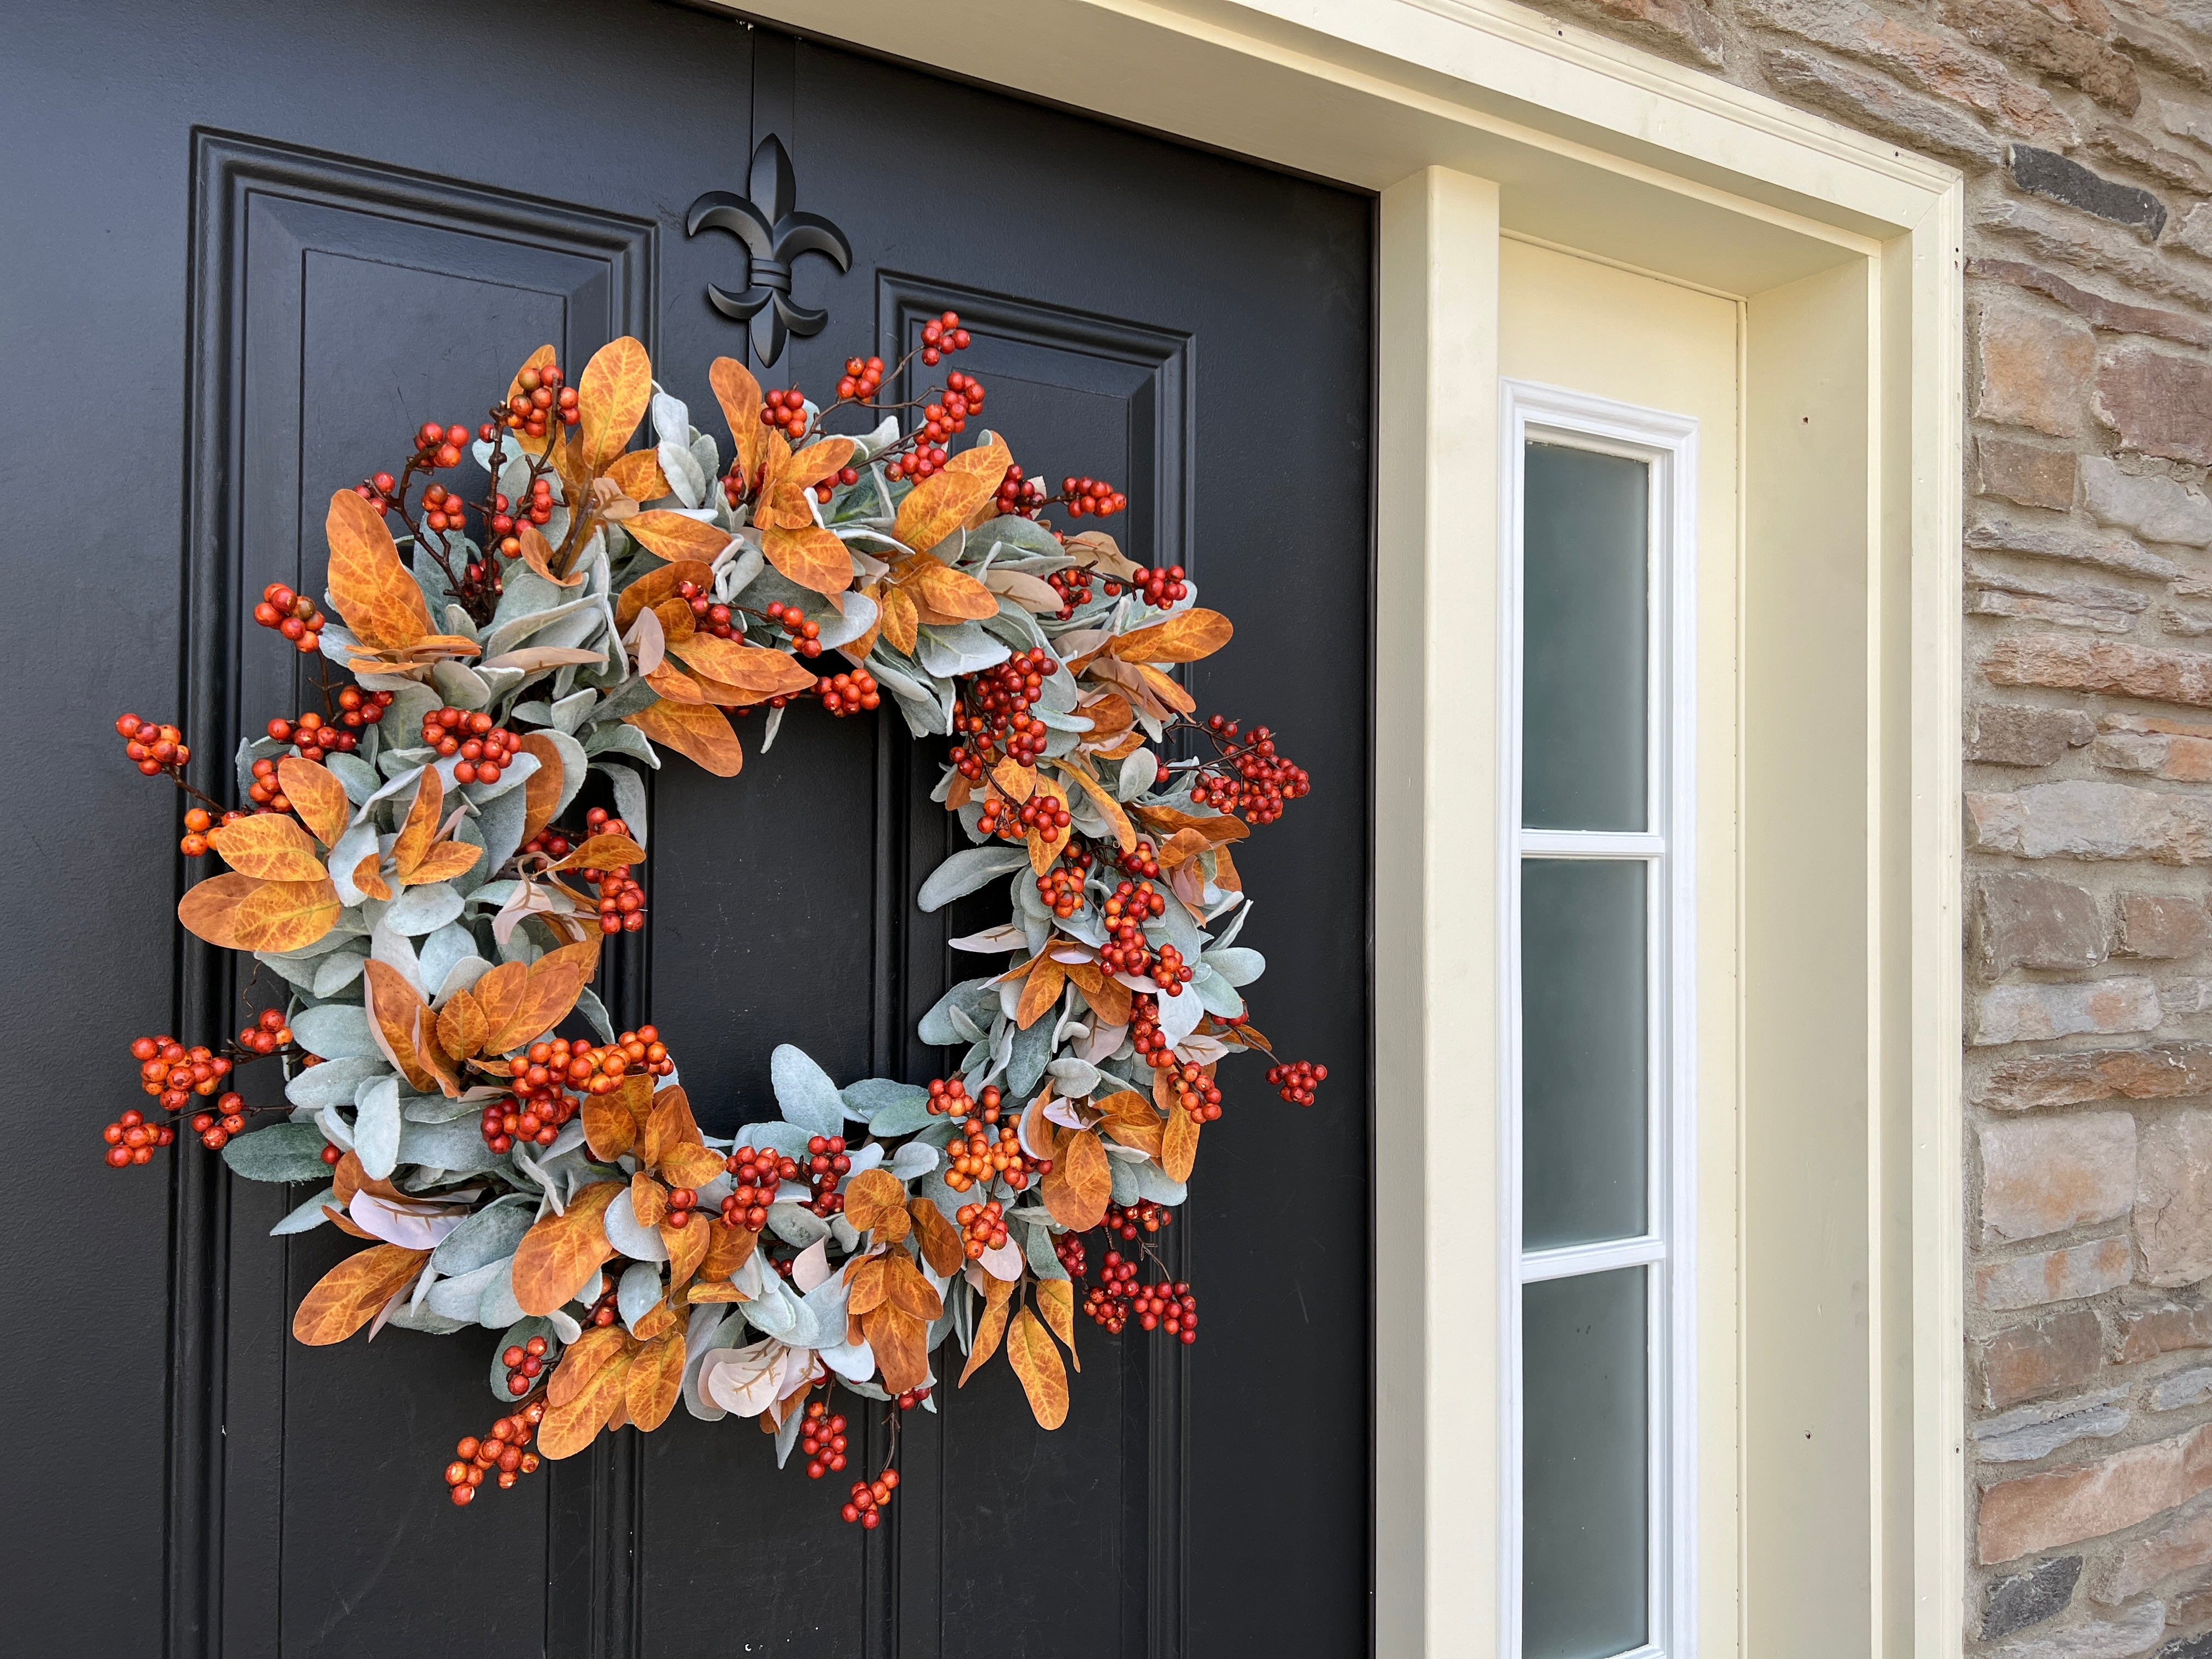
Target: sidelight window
x,y
1598,1085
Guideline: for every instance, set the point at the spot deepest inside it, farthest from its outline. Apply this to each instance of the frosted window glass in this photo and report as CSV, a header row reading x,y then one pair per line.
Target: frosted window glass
x,y
1585,1110
1586,646
1585,1467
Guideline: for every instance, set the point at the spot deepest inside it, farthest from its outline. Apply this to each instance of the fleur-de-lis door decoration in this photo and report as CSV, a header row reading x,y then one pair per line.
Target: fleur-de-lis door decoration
x,y
775,234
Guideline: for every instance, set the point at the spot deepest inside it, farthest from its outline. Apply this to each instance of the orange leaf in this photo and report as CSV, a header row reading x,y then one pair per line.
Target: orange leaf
x,y
1185,636
1108,997
1043,852
445,860
752,667
611,399
740,395
686,1248
899,619
541,790
940,1238
316,795
821,460
907,1291
672,536
1016,782
871,1196
658,584
603,852
462,1025
369,878
420,828
946,594
1125,833
688,1163
648,1200
349,1296
668,1125
1179,1144
500,994
729,1248
1132,1120
1080,1183
1039,992
241,914
555,1254
586,1357
896,1336
1217,829
269,847
566,1430
395,1017
368,583
697,731
609,1129
538,554
675,686
811,556
655,1380
549,988
1036,1362
1055,1299
944,500
989,1328
638,476
867,1285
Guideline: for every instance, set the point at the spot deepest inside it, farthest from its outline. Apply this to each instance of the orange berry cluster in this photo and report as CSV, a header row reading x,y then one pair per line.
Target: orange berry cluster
x,y
950,1099
1144,1215
981,1157
757,1171
173,1074
1263,781
862,378
910,1398
538,1102
130,1139
1062,886
444,509
1296,1080
822,1439
825,1166
682,1201
1195,1089
312,737
540,397
1073,586
706,616
983,1225
505,1450
786,411
849,694
484,748
267,1033
1091,497
869,1497
805,636
293,615
947,416
1142,860
1160,588
994,712
1107,1301
525,1363
940,335
153,748
1127,908
1022,495
621,900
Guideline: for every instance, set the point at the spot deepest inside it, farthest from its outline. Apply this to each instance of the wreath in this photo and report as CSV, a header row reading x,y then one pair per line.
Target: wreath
x,y
403,863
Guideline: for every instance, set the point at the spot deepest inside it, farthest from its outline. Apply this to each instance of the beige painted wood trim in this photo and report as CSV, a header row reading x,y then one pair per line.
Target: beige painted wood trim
x,y
1458,109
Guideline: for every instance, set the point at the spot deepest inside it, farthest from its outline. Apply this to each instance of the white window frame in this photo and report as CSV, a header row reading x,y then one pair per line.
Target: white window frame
x,y
1668,444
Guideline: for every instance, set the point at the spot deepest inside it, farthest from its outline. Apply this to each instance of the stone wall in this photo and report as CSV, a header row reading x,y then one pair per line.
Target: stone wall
x,y
2085,130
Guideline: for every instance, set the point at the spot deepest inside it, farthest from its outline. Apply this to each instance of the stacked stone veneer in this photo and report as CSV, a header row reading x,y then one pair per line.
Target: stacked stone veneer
x,y
2085,130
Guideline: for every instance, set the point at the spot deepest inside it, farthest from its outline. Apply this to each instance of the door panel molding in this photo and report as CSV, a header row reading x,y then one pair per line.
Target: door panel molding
x,y
269,222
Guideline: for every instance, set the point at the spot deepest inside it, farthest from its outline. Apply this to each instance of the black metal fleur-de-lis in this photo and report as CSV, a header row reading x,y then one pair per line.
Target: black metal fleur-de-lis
x,y
773,233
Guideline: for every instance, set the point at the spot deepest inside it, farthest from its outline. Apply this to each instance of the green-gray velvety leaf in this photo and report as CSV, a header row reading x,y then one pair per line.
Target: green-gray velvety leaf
x,y
805,1092
283,1151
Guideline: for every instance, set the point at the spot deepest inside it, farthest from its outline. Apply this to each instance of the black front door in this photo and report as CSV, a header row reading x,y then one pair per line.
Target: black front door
x,y
250,246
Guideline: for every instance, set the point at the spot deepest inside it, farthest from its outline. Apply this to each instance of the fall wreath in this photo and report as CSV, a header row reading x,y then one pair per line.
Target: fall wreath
x,y
402,867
